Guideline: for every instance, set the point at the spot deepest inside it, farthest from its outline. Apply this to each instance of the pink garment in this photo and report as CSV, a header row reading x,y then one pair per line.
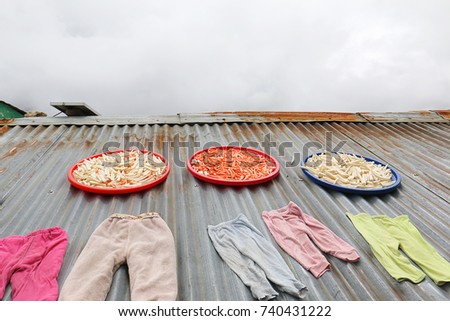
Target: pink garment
x,y
295,232
32,263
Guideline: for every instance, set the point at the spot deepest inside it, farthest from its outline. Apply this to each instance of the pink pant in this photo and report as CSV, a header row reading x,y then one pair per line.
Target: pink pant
x,y
295,231
32,263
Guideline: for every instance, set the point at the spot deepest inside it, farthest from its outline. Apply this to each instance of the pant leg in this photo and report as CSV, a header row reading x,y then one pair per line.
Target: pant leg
x,y
271,262
151,260
254,259
385,247
294,231
11,249
325,239
35,278
296,243
224,241
417,249
91,276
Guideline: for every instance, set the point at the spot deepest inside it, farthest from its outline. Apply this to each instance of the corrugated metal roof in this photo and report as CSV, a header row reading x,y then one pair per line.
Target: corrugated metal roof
x,y
35,193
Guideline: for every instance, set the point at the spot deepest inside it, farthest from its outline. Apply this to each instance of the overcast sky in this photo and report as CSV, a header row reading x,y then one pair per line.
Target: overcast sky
x,y
143,57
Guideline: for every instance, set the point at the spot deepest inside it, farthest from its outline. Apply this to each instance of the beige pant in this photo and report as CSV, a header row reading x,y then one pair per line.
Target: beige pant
x,y
145,243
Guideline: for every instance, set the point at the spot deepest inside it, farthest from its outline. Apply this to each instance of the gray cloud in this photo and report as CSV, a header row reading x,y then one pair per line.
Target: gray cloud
x,y
164,57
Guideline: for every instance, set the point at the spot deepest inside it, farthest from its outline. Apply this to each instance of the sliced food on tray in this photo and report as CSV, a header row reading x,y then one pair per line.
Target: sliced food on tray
x,y
349,170
120,170
232,164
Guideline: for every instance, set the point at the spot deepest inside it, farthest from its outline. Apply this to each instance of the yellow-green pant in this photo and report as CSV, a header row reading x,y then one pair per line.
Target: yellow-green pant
x,y
386,236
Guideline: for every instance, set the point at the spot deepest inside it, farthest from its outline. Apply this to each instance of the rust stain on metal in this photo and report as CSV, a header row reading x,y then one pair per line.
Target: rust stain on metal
x,y
6,121
22,143
11,152
422,112
443,113
293,116
3,129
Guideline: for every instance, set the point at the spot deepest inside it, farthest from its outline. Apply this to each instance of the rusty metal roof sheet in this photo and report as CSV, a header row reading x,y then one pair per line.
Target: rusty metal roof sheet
x,y
239,117
417,117
443,113
35,193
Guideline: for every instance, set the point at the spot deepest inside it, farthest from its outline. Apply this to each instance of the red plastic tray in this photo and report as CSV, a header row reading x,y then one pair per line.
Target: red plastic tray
x,y
231,182
111,190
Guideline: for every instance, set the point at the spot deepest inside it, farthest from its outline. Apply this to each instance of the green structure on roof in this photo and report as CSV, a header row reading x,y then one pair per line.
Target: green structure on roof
x,y
10,111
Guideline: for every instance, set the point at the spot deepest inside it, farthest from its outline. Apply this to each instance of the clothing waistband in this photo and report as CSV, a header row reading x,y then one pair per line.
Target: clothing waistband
x,y
135,217
239,218
401,217
56,230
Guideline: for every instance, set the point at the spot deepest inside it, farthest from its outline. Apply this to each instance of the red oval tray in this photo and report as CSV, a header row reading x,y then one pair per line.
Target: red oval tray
x,y
111,190
232,182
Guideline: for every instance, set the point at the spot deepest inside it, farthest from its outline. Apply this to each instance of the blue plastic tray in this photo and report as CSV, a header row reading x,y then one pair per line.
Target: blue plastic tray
x,y
361,191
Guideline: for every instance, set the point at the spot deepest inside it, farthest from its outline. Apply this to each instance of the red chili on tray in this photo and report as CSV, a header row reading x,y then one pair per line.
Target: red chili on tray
x,y
232,165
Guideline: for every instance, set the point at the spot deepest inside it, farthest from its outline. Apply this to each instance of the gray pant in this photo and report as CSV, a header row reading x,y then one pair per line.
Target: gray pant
x,y
254,259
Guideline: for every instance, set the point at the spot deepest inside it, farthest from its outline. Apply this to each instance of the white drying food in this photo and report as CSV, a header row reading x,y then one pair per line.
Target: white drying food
x,y
120,170
349,170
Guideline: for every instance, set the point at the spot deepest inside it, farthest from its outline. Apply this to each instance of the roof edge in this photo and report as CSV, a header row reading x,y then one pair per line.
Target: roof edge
x,y
430,116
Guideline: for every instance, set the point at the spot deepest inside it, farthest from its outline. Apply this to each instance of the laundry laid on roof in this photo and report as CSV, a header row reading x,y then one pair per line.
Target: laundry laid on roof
x,y
304,237
388,235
